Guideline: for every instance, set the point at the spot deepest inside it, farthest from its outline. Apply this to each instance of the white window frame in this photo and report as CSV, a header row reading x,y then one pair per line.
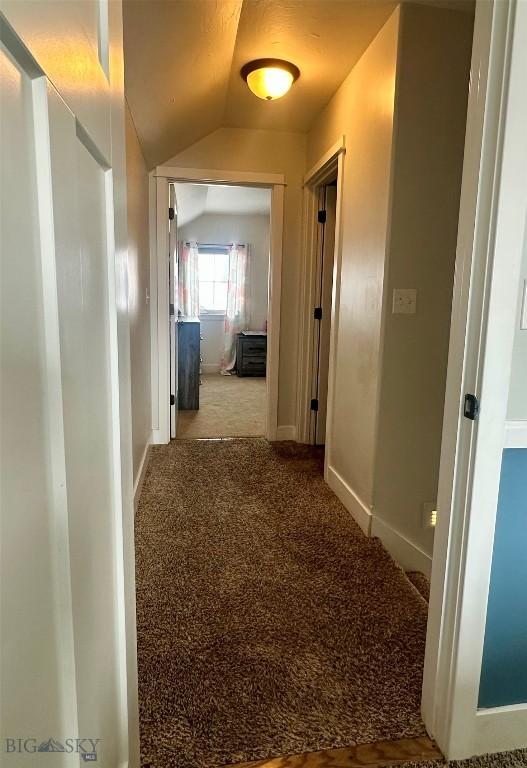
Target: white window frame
x,y
205,314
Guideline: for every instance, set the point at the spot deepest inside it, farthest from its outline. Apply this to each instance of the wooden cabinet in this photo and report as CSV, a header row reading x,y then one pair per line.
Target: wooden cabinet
x,y
188,364
251,354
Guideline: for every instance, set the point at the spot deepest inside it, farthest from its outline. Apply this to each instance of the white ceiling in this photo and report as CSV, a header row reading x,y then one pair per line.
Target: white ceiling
x,y
183,61
195,199
183,57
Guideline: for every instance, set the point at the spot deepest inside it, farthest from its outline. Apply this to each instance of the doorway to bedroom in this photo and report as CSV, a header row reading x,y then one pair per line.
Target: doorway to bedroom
x,y
221,278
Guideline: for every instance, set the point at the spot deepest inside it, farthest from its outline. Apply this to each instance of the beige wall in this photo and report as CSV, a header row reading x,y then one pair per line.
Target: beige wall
x,y
252,229
240,149
431,102
139,289
362,110
402,176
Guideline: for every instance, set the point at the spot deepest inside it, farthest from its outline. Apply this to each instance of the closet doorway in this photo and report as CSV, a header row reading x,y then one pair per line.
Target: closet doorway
x,y
321,269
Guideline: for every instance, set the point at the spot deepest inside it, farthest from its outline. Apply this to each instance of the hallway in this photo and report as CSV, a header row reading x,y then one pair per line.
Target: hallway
x,y
268,624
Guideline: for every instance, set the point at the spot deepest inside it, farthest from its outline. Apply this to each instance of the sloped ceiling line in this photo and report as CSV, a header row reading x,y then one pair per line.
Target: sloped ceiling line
x,y
183,57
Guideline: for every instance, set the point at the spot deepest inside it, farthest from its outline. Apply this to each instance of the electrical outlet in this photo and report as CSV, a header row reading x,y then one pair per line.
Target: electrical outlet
x,y
404,301
429,514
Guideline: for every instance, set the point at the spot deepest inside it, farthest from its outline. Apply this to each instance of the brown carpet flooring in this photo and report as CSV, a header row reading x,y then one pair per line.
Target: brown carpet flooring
x,y
268,624
230,406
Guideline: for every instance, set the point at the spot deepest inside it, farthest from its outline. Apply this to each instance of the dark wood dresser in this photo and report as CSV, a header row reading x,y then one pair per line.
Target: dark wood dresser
x,y
188,334
251,354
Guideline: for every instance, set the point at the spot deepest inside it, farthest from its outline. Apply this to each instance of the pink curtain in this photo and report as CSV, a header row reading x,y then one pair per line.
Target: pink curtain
x,y
188,283
236,314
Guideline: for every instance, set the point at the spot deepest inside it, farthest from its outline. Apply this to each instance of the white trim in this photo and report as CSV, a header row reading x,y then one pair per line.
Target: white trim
x,y
286,432
158,438
306,320
501,729
214,317
447,542
152,224
62,604
332,161
327,158
490,241
273,311
163,176
161,372
515,434
405,552
210,368
139,480
172,301
360,512
335,313
214,176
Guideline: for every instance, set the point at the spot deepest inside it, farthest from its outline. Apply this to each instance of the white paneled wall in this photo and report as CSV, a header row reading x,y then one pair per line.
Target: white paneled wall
x,y
67,595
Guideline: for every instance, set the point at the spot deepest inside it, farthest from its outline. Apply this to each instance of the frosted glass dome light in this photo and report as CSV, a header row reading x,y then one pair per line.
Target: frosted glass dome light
x,y
269,79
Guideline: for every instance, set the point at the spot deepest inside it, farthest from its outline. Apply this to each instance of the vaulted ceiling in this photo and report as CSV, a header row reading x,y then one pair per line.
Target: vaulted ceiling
x,y
193,200
183,58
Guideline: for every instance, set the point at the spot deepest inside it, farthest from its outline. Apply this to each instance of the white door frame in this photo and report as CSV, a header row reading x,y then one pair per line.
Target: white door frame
x,y
323,171
173,300
490,240
163,176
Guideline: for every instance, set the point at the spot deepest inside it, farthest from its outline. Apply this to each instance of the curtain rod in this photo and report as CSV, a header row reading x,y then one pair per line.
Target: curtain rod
x,y
213,245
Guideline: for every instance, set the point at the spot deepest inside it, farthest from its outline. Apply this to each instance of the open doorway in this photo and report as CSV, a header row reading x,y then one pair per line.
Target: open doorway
x,y
221,279
323,192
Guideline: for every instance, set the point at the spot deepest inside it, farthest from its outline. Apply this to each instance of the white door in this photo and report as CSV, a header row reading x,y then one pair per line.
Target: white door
x,y
326,288
173,307
323,292
486,291
67,615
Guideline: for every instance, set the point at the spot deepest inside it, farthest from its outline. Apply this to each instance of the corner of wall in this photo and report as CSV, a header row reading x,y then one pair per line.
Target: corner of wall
x,y
141,473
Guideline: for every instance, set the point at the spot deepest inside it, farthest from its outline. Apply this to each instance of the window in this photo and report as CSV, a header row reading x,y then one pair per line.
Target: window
x,y
213,271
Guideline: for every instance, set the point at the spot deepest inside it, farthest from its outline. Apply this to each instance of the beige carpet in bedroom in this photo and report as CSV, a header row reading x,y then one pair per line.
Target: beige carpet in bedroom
x,y
230,406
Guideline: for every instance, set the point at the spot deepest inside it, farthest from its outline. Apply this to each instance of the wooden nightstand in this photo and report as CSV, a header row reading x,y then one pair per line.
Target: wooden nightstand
x,y
251,354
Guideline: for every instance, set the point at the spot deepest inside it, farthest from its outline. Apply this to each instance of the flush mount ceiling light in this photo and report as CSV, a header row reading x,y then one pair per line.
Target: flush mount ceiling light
x,y
269,79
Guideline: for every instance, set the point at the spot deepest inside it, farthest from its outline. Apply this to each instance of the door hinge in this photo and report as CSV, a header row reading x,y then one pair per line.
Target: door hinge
x,y
317,313
171,309
171,214
322,217
172,399
471,407
314,404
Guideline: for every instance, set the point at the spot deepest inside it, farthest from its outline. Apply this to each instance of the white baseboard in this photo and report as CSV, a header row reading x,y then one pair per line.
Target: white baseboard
x,y
286,432
210,368
515,434
138,484
359,510
158,438
405,552
500,729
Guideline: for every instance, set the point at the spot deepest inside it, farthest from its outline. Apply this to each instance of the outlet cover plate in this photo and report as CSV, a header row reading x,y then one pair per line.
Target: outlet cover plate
x,y
429,514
